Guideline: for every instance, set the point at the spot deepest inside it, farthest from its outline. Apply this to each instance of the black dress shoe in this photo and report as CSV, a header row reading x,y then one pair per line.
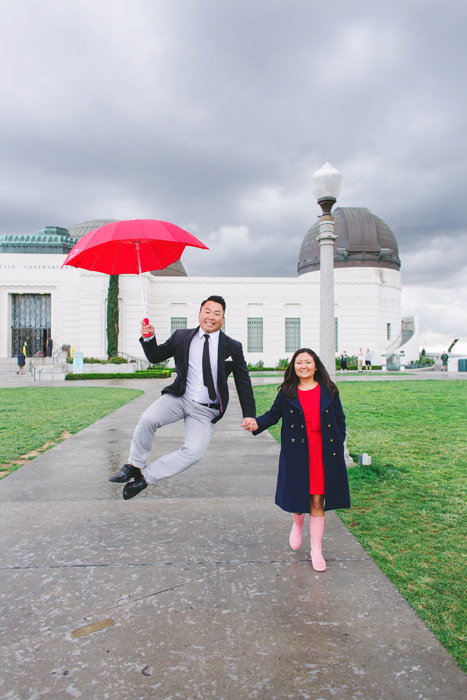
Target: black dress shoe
x,y
133,488
127,472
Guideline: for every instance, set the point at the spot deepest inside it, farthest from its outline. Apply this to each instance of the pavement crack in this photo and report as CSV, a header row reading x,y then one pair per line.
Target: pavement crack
x,y
207,562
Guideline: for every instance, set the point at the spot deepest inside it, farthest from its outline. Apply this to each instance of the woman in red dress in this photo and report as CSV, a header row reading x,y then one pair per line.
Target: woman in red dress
x,y
312,474
309,395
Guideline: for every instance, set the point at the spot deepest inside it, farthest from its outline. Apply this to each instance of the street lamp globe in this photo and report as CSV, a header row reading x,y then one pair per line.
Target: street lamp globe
x,y
326,184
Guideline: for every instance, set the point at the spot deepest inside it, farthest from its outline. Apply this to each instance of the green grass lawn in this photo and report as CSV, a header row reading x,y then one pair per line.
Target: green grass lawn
x,y
409,507
30,417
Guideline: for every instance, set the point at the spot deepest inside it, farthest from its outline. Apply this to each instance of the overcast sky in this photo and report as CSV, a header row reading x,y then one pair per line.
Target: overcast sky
x,y
214,115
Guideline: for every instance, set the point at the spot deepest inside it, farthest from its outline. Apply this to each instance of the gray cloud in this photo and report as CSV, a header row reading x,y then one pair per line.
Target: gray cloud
x,y
215,116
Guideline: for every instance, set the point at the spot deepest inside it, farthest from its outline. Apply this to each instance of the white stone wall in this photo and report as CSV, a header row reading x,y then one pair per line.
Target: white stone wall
x,y
33,274
367,299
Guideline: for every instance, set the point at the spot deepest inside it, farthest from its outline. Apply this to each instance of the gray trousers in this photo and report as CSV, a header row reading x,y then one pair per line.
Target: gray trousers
x,y
170,409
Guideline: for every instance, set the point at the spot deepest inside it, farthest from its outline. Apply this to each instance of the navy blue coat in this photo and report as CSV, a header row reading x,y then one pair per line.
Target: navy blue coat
x,y
293,480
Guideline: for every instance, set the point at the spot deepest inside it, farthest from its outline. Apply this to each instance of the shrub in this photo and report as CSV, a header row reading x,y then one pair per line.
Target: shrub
x,y
283,363
112,316
142,374
160,364
257,366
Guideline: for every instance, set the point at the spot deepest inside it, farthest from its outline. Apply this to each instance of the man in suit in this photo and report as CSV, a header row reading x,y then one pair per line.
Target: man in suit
x,y
204,358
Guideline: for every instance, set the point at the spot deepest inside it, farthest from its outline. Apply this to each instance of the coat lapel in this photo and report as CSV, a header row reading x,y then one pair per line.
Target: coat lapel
x,y
221,349
295,402
186,346
325,400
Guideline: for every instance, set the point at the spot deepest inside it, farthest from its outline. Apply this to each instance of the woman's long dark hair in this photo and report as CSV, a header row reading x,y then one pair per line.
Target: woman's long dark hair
x,y
291,380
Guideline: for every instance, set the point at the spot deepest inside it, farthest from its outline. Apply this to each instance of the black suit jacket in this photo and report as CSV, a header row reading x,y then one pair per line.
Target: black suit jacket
x,y
178,347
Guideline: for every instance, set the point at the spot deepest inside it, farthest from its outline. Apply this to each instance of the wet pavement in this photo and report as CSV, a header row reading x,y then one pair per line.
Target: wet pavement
x,y
191,586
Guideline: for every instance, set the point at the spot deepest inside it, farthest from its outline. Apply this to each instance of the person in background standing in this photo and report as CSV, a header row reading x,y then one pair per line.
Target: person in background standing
x,y
21,362
344,362
50,345
368,361
444,360
360,359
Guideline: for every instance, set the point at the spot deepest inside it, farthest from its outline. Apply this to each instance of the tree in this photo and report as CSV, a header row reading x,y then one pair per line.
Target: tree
x,y
112,316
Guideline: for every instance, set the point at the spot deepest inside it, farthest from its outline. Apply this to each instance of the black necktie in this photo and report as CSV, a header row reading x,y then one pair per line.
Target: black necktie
x,y
207,373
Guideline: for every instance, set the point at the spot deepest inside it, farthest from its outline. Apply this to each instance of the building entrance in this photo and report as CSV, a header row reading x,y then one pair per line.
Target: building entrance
x,y
30,323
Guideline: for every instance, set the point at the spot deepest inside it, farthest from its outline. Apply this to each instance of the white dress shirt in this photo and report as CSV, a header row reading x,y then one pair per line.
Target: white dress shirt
x,y
195,388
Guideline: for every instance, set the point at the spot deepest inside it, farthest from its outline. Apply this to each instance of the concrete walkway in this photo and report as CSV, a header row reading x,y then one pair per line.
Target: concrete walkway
x,y
194,577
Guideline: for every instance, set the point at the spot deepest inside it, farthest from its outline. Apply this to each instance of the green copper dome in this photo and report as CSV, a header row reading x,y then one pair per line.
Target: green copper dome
x,y
50,239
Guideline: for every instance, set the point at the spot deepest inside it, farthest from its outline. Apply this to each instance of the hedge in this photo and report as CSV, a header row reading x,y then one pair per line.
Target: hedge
x,y
142,374
354,368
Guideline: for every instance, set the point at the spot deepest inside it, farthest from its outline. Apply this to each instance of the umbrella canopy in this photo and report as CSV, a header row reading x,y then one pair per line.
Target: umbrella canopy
x,y
132,246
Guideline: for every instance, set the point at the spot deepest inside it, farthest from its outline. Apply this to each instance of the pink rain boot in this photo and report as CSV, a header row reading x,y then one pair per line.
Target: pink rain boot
x,y
295,539
316,535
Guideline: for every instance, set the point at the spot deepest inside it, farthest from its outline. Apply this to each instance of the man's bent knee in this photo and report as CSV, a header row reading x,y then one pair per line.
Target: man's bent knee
x,y
192,455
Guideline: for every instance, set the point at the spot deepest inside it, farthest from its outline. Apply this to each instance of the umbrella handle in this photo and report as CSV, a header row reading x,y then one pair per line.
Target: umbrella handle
x,y
146,321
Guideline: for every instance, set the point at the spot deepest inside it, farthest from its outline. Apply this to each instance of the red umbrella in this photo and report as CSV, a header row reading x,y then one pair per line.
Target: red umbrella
x,y
131,247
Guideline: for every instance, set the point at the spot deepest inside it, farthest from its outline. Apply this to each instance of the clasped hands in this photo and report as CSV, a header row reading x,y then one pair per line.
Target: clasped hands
x,y
250,424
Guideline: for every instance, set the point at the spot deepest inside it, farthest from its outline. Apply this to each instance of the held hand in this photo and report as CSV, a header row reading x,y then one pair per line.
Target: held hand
x,y
249,424
147,330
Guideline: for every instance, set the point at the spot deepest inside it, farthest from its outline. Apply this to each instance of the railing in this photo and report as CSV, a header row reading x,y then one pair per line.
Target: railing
x,y
32,367
141,363
55,356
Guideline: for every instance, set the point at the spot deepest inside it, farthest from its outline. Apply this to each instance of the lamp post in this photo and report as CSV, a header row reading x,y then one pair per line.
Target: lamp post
x,y
326,185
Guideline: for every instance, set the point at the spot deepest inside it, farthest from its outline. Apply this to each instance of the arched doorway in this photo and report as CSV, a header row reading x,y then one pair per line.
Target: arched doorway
x,y
30,323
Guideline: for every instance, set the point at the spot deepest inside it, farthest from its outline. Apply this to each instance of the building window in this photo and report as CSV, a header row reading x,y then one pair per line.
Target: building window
x,y
255,335
336,326
292,334
30,323
177,322
388,331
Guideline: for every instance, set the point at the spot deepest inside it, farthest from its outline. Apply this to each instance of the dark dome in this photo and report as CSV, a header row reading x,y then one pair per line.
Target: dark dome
x,y
363,240
176,269
80,230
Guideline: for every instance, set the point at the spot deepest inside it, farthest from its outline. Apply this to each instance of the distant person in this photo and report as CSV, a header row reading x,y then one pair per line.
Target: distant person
x,y
21,362
344,362
444,360
368,361
204,358
360,360
312,474
50,345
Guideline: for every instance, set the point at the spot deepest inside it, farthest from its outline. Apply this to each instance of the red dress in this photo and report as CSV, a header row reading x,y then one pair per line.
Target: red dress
x,y
309,401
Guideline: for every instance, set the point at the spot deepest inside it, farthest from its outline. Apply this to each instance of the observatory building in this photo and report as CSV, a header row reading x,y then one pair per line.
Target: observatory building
x,y
271,316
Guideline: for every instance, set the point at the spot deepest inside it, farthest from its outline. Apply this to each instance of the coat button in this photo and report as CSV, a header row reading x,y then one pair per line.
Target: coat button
x,y
327,411
333,454
293,439
332,440
302,426
291,411
329,425
303,440
292,426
